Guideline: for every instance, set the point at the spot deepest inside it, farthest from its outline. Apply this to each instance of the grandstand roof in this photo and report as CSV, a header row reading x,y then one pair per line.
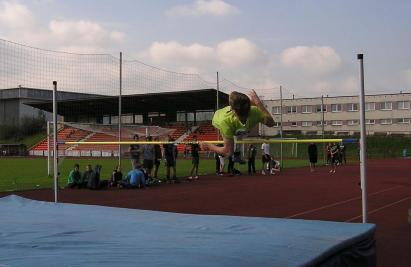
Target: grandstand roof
x,y
204,99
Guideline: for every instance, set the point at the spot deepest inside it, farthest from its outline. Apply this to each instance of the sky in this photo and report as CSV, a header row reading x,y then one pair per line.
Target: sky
x,y
308,47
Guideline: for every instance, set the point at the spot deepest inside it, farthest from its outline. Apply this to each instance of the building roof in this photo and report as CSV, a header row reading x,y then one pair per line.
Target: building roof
x,y
189,101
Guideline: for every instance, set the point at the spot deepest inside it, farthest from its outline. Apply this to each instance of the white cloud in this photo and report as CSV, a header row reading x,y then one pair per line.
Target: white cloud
x,y
313,60
19,24
202,8
231,54
237,52
406,75
15,16
174,52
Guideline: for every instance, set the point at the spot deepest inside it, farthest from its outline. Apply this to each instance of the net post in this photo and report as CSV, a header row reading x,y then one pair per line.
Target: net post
x,y
218,102
322,126
55,144
48,149
363,143
119,106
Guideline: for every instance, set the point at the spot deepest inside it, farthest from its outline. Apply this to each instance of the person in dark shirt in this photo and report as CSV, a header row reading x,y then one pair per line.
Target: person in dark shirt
x,y
170,155
116,176
252,152
87,175
334,157
195,159
134,151
157,158
312,155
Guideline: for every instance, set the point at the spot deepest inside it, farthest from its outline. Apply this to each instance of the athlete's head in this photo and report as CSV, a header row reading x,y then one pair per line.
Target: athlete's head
x,y
240,104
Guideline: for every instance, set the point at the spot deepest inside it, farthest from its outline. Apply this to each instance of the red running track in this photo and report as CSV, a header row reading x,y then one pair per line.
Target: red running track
x,y
295,193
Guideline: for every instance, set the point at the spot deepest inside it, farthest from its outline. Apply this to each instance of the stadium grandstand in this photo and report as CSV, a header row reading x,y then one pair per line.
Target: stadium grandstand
x,y
185,114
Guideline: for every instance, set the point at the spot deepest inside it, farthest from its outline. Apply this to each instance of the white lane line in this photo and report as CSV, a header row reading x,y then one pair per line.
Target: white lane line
x,y
340,203
380,208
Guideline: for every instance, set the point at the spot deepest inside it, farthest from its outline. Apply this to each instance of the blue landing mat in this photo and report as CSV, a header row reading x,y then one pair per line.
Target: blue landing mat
x,y
36,233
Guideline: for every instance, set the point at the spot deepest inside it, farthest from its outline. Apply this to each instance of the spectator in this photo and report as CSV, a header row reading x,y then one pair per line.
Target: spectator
x,y
252,152
149,156
219,163
312,155
134,151
342,154
86,176
195,159
93,181
266,158
275,166
135,179
334,157
170,155
157,158
328,152
116,176
74,178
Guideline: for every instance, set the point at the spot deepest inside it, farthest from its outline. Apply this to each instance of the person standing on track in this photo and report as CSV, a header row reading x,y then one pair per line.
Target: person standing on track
x,y
252,152
312,155
195,159
266,158
237,119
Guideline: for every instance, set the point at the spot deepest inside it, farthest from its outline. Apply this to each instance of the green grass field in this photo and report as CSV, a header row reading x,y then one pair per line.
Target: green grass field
x,y
30,173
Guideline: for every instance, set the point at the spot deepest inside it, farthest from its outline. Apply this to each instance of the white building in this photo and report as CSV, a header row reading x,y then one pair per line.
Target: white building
x,y
385,114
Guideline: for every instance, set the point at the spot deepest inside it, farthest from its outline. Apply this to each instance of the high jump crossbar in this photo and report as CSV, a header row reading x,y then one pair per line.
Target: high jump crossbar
x,y
251,141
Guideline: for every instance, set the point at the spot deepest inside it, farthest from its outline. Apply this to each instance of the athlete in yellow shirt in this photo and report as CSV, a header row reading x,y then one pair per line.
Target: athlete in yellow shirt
x,y
237,119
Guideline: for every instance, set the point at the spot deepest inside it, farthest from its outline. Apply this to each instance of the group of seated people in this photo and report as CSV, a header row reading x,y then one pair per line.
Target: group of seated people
x,y
136,178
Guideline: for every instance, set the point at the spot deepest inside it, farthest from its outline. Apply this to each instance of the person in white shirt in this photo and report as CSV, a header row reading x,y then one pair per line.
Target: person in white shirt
x,y
266,158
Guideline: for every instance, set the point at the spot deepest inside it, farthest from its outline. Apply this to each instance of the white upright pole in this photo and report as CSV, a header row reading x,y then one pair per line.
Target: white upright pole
x,y
48,149
363,144
281,126
55,144
322,125
119,107
218,102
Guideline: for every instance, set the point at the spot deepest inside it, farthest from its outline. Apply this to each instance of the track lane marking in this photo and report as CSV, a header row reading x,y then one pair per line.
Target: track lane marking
x,y
380,208
340,203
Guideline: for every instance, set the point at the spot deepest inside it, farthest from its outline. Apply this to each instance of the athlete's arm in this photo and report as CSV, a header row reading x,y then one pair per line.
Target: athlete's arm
x,y
268,119
226,150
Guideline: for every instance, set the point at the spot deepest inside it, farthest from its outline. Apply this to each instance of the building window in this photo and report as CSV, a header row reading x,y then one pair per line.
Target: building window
x,y
127,119
292,109
369,106
404,120
307,123
336,123
352,122
319,108
336,108
369,121
277,124
386,121
386,106
307,109
353,107
276,110
320,123
404,105
294,124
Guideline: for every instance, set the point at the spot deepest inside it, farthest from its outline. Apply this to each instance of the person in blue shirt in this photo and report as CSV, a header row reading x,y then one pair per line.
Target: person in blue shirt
x,y
135,178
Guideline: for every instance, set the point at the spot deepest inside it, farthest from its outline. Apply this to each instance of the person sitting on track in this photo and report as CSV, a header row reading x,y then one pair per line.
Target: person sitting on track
x,y
87,175
116,176
237,119
74,178
135,178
